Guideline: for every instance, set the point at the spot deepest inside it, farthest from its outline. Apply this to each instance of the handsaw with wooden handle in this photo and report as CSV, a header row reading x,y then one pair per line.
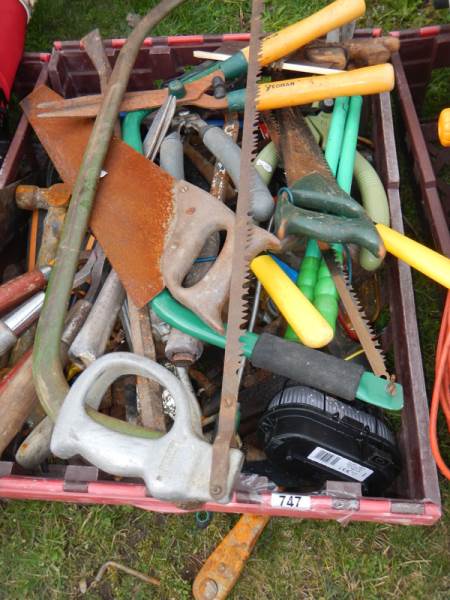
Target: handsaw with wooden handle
x,y
238,307
151,226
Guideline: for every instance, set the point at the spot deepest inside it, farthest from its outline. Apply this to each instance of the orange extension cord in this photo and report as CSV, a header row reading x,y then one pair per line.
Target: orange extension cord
x,y
441,391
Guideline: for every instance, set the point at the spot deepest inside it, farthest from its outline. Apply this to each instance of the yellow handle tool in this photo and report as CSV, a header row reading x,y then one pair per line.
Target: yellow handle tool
x,y
305,90
444,127
309,325
429,262
295,36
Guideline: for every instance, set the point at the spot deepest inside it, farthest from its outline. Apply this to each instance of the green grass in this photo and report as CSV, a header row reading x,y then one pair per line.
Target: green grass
x,y
47,549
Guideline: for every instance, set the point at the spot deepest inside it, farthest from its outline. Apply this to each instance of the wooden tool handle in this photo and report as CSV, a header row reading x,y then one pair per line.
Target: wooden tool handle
x,y
20,288
429,262
290,38
309,325
222,569
17,397
305,90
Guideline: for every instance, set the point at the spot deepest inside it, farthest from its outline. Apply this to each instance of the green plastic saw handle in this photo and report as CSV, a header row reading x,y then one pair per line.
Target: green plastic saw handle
x,y
287,359
292,220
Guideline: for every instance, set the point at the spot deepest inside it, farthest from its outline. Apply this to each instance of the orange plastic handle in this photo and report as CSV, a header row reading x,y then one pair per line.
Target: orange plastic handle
x,y
305,90
295,36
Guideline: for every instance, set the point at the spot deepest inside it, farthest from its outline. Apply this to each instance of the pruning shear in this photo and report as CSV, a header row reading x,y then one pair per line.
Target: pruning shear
x,y
277,94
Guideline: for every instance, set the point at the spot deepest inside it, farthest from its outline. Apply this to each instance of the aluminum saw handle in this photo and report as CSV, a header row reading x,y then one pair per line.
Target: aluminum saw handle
x,y
175,467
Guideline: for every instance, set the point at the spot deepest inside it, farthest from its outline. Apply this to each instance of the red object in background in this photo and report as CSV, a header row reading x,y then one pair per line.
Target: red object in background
x,y
13,24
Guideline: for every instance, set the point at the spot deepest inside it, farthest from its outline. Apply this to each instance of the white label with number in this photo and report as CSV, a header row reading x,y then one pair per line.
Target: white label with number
x,y
339,463
293,502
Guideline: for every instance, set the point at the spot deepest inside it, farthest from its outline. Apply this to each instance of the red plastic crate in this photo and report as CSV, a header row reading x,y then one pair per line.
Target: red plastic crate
x,y
417,500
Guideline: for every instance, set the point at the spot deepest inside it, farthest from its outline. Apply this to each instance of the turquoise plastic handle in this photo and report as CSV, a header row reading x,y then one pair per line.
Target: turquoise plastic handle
x,y
371,389
180,317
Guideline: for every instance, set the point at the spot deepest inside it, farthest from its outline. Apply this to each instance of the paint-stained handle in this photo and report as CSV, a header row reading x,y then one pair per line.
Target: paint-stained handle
x,y
309,325
295,36
222,569
429,262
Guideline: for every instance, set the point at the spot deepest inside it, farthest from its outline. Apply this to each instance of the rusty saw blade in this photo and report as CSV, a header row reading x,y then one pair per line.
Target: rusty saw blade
x,y
356,315
238,306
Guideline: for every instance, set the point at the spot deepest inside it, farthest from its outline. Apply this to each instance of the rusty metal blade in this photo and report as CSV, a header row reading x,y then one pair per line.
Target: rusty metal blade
x,y
238,306
134,198
355,312
296,144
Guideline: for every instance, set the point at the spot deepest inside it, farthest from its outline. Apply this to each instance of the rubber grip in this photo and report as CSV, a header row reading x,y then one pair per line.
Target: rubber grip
x,y
171,155
229,154
306,90
295,36
429,262
311,328
306,366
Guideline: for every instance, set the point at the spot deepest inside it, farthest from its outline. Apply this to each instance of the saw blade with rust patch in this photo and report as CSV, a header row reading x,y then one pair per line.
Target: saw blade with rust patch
x,y
238,307
356,315
296,145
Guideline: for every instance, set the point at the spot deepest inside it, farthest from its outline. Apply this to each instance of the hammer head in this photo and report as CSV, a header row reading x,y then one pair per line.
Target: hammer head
x,y
30,197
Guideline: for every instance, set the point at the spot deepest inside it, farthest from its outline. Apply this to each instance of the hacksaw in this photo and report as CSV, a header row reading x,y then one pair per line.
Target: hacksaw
x,y
238,306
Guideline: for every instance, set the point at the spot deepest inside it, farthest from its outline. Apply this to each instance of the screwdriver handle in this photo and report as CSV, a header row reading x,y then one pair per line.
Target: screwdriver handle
x,y
295,36
429,262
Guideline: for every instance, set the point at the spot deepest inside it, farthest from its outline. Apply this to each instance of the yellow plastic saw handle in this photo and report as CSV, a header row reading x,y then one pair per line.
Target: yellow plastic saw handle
x,y
429,262
305,90
295,36
309,325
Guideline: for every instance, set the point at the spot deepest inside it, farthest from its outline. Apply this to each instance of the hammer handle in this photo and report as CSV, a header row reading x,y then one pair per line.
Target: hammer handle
x,y
224,566
17,397
20,288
